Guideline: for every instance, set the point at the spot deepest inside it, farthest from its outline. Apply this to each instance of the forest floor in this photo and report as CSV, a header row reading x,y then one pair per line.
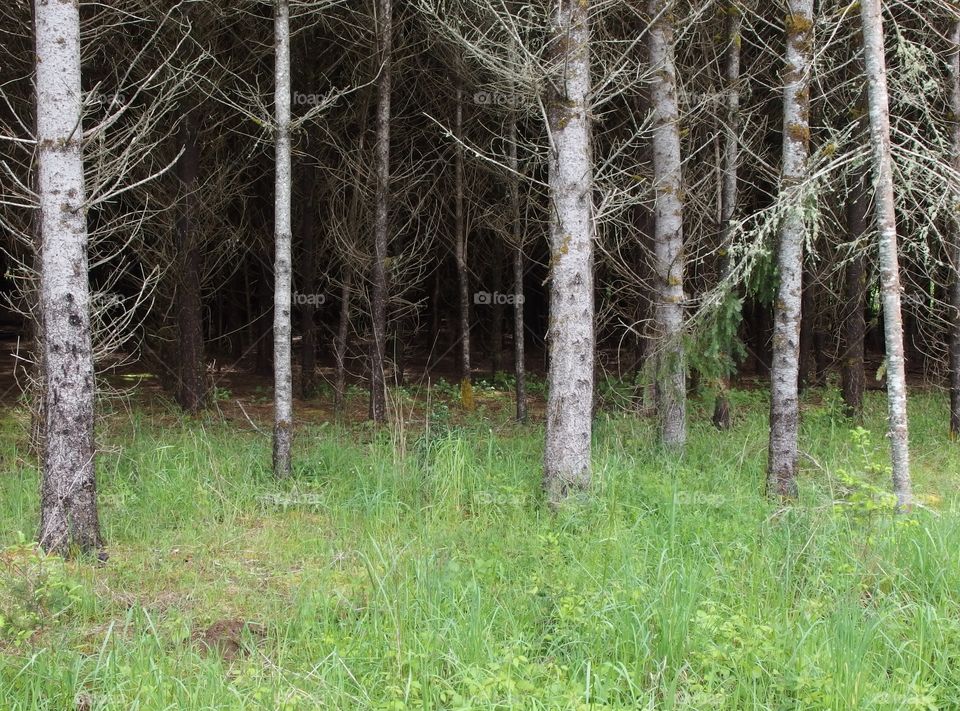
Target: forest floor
x,y
417,567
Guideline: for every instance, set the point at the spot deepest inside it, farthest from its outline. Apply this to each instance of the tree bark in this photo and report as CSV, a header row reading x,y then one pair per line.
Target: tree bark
x,y
283,239
308,327
808,318
497,310
885,209
192,387
264,320
668,228
68,517
784,399
378,276
730,184
955,242
519,328
463,276
853,374
571,331
340,347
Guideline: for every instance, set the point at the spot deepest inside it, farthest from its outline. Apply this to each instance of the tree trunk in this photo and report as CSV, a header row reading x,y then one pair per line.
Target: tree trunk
x,y
668,229
282,263
340,348
808,324
308,229
436,317
570,379
496,314
519,329
730,185
955,242
264,321
463,276
378,276
784,400
884,207
68,517
236,318
192,387
853,374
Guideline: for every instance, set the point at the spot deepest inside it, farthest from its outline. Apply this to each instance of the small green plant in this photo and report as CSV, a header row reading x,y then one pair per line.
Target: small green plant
x,y
536,386
860,492
34,591
442,388
222,394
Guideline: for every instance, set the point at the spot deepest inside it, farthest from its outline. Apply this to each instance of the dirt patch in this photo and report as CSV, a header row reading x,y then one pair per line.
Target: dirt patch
x,y
230,638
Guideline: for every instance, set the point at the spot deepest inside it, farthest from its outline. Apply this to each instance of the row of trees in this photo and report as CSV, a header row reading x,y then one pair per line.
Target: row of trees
x,y
714,181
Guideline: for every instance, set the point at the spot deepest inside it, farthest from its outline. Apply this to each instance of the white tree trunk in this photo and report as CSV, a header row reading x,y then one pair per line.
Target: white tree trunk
x,y
378,276
668,228
784,397
69,518
571,330
955,242
885,210
282,297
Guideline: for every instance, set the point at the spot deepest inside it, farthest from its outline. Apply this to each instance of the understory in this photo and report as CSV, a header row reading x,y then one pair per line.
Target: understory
x,y
416,567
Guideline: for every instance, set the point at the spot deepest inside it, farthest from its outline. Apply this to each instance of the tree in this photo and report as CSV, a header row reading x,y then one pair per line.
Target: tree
x,y
784,397
668,226
69,517
853,374
191,390
571,332
885,211
730,176
378,272
460,251
282,365
955,242
516,230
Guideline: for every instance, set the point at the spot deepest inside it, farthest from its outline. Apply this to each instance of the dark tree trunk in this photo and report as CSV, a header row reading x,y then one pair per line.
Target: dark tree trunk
x,y
308,327
436,314
496,315
264,309
808,319
236,319
378,275
853,373
463,275
340,347
955,238
191,386
516,228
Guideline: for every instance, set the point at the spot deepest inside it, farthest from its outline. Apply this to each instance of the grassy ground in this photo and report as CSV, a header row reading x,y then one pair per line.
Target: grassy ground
x,y
412,569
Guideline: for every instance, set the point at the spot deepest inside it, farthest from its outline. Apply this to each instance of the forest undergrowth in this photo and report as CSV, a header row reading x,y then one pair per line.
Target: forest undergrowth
x,y
418,568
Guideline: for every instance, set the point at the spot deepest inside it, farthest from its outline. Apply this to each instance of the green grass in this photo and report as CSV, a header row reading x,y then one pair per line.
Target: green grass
x,y
438,579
